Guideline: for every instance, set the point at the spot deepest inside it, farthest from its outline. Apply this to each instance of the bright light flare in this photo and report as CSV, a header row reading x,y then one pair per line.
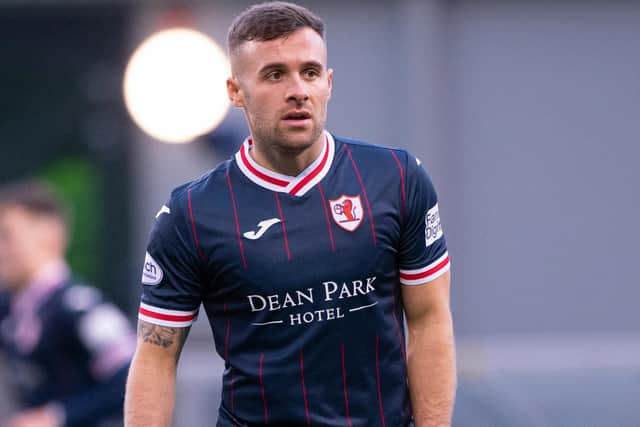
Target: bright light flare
x,y
174,85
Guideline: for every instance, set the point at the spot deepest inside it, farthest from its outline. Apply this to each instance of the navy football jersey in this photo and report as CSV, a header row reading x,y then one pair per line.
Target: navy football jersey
x,y
66,346
300,280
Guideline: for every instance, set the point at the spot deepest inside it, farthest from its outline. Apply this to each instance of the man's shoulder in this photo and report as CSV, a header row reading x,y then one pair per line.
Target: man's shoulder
x,y
63,308
372,151
205,186
75,296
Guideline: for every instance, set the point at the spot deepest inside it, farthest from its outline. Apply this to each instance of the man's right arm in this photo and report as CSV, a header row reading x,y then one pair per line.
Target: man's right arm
x,y
150,393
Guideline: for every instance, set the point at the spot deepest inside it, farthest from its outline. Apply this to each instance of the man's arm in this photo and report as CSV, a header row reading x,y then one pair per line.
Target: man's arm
x,y
150,394
431,355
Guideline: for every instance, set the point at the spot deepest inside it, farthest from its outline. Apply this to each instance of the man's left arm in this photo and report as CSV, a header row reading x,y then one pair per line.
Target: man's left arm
x,y
431,352
105,334
110,349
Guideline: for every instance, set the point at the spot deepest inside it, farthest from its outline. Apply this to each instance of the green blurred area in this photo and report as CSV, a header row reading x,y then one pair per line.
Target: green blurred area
x,y
62,120
78,183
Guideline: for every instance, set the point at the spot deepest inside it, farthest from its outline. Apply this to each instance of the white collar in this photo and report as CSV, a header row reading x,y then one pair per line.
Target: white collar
x,y
294,185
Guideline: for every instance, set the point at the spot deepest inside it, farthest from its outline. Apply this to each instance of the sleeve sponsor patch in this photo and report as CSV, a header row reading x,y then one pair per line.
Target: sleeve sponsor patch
x,y
433,228
151,272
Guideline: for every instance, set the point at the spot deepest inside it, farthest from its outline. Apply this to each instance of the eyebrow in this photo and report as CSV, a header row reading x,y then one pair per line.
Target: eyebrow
x,y
282,65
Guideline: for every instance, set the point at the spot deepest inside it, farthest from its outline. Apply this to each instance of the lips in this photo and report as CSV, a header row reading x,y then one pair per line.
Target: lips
x,y
296,115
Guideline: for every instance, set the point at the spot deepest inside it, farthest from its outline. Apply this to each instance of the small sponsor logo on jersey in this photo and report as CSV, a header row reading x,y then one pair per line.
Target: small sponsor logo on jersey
x,y
163,209
347,211
263,226
151,272
433,228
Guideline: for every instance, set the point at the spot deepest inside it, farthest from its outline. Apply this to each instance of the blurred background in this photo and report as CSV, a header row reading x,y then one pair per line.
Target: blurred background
x,y
525,113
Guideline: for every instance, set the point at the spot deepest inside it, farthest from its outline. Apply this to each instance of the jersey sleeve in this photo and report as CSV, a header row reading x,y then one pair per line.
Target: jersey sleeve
x,y
105,333
100,341
171,287
423,254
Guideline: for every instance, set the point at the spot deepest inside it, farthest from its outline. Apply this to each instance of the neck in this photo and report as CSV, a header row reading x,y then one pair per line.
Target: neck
x,y
286,162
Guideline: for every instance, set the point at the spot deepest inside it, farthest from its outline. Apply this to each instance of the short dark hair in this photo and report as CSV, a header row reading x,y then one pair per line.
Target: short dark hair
x,y
35,197
269,21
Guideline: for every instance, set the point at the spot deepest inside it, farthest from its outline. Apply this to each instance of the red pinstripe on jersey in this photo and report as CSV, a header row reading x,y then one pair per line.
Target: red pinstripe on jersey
x,y
304,389
284,227
344,386
235,218
263,392
364,192
193,226
326,214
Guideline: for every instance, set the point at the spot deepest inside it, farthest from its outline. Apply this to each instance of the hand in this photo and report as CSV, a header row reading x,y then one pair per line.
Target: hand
x,y
44,416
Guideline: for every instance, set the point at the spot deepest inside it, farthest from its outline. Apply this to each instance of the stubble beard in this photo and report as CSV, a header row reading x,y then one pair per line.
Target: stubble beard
x,y
287,141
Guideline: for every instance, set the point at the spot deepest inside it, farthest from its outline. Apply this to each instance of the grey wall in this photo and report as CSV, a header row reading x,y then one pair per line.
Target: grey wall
x,y
544,119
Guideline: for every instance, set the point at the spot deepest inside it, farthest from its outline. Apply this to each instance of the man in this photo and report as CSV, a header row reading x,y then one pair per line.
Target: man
x,y
305,248
67,350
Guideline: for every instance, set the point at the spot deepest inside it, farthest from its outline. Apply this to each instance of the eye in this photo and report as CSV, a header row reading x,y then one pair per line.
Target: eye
x,y
311,73
274,75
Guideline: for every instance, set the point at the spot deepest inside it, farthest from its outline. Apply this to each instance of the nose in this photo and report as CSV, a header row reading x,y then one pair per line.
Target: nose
x,y
297,91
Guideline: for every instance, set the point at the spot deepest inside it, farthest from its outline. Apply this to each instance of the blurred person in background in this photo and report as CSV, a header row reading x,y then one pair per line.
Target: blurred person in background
x,y
67,350
306,250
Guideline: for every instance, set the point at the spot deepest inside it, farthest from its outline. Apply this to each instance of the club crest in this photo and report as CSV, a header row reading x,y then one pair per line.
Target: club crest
x,y
347,211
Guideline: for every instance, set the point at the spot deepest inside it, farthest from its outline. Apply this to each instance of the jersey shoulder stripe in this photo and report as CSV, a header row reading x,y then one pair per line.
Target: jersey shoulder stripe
x,y
166,317
426,274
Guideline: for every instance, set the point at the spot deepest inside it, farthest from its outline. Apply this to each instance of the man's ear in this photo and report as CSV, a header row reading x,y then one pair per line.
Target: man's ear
x,y
234,92
330,80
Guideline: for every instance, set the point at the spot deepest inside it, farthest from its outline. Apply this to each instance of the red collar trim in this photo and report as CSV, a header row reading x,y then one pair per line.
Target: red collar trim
x,y
274,181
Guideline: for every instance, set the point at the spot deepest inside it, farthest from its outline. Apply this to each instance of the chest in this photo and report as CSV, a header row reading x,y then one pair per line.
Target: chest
x,y
330,242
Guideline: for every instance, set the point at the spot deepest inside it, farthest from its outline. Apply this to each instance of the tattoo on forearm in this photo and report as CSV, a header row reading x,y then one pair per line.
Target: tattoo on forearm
x,y
163,336
158,335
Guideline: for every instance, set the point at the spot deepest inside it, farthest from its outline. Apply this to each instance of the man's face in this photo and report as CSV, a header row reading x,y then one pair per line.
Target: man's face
x,y
23,239
284,87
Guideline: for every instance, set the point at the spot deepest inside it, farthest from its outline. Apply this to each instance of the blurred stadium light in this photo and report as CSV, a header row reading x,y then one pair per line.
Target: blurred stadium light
x,y
174,85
